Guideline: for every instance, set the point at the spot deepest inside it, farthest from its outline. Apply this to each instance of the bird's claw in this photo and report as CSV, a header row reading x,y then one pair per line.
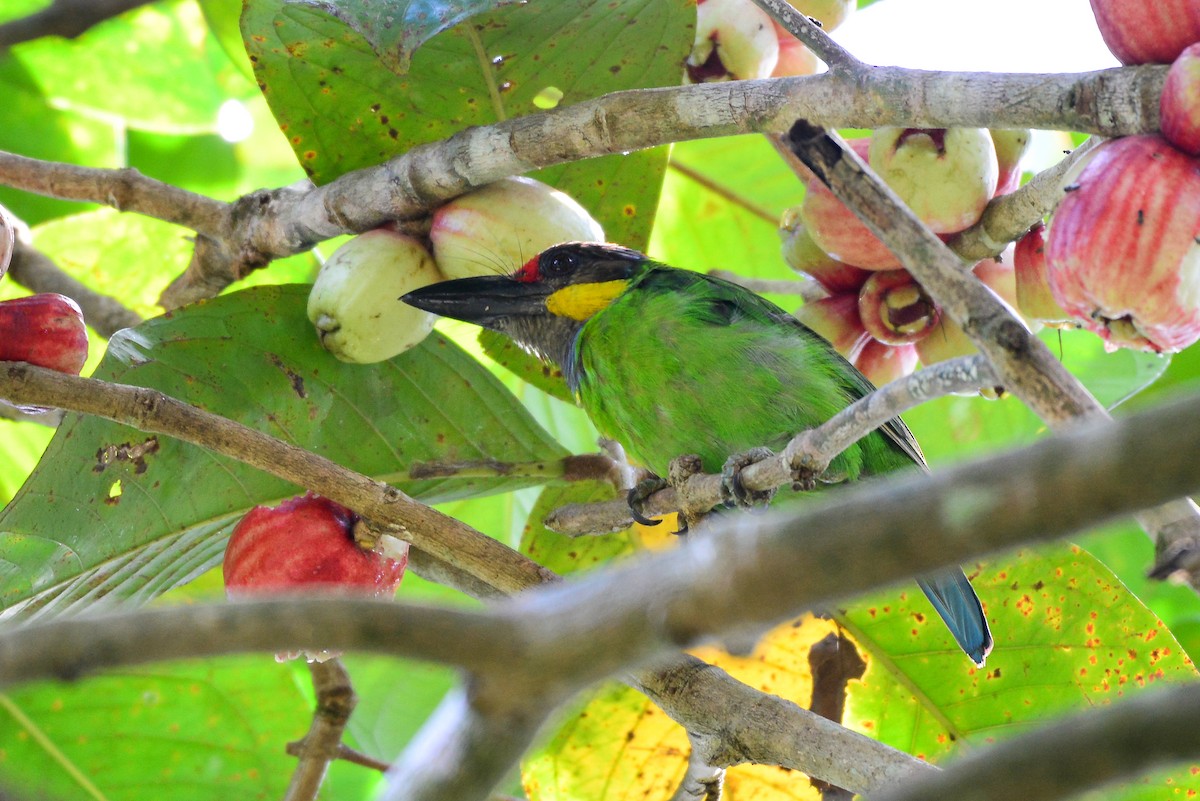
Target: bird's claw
x,y
731,479
638,496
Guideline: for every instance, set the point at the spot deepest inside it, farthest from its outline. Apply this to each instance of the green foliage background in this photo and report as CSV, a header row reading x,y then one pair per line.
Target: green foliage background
x,y
331,94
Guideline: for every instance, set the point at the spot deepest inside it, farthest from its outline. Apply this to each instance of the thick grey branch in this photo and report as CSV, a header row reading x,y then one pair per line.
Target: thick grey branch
x,y
270,224
741,578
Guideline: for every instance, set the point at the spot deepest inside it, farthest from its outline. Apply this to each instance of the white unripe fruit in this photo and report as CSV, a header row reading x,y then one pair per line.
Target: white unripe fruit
x,y
355,301
499,227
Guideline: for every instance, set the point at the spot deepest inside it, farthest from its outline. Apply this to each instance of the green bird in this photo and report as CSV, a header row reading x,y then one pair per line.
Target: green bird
x,y
670,362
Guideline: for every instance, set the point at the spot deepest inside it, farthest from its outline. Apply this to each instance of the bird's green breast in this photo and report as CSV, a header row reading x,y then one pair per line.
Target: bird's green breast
x,y
681,363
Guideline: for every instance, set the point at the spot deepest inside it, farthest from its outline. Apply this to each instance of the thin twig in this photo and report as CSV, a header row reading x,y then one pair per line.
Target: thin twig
x,y
321,745
810,450
124,189
811,34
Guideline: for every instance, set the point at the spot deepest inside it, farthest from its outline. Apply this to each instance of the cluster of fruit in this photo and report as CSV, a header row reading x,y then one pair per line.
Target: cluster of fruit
x,y
354,302
875,314
46,330
1121,252
1119,257
735,40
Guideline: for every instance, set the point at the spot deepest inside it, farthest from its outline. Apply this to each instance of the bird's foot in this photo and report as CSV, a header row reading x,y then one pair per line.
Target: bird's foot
x,y
733,489
804,479
638,496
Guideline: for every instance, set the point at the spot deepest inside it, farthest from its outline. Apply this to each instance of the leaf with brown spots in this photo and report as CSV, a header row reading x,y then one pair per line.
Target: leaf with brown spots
x,y
342,107
620,746
1069,636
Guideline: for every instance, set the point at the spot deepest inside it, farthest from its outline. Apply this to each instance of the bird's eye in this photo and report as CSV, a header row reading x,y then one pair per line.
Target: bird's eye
x,y
560,262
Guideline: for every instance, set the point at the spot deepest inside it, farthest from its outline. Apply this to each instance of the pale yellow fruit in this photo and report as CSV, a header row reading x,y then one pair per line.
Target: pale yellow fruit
x,y
355,301
499,227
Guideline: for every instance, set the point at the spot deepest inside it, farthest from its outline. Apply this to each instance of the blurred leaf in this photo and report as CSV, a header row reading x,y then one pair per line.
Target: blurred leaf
x,y
1069,636
196,731
131,67
343,109
620,745
32,128
396,30
110,510
721,204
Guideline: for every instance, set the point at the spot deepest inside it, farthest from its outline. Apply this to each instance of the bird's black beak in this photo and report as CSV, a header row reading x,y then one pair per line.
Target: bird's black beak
x,y
483,300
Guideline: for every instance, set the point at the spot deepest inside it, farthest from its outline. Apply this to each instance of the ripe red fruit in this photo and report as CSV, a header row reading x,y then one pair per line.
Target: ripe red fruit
x,y
836,319
304,543
895,309
1034,298
46,330
882,364
1121,252
1141,32
1179,111
802,254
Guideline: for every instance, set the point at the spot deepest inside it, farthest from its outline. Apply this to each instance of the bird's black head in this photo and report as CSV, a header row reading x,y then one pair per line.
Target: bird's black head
x,y
544,303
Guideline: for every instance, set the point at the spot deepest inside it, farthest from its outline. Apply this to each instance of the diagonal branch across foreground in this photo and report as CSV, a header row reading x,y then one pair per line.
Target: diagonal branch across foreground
x,y
534,651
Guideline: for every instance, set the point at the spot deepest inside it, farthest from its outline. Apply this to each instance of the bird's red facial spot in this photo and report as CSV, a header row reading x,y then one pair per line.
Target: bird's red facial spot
x,y
529,272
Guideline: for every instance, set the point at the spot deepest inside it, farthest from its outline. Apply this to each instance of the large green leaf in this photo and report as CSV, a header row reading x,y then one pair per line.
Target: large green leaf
x,y
395,30
342,108
196,732
1069,636
110,510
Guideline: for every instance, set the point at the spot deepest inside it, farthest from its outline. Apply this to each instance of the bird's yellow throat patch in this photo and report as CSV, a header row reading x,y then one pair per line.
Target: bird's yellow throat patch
x,y
581,301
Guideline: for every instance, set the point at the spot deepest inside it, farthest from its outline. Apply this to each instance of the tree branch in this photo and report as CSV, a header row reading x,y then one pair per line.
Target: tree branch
x,y
546,644
809,451
269,224
323,742
443,537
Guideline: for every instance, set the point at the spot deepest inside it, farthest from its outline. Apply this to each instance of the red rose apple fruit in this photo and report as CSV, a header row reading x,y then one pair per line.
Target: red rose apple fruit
x,y
1122,252
1147,31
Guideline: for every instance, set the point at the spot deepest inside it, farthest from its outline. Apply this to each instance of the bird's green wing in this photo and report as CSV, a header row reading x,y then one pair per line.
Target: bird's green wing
x,y
726,303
